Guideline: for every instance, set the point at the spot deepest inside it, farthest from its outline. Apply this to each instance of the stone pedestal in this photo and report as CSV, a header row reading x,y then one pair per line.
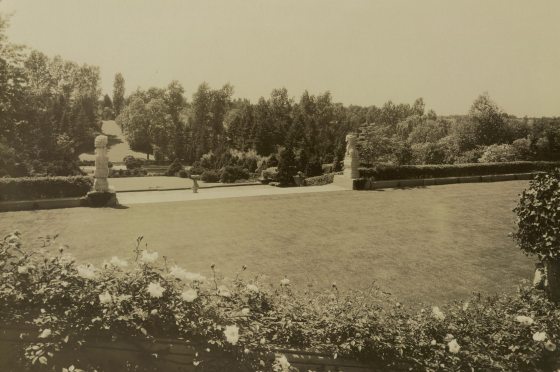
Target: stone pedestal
x,y
102,195
351,164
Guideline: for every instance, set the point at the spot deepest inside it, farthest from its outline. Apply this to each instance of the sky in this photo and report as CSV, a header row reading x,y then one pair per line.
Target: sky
x,y
364,52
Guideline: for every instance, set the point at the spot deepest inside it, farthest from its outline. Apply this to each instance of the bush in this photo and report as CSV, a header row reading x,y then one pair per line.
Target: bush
x,y
287,167
69,304
131,162
174,168
270,174
44,187
136,172
232,173
396,172
183,173
210,176
538,213
499,153
328,168
313,168
325,179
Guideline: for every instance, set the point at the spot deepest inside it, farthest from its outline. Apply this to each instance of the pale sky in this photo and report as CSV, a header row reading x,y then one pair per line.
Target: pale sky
x,y
364,52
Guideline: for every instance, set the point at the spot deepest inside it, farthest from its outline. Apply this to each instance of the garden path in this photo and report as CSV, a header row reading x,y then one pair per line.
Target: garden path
x,y
118,147
142,197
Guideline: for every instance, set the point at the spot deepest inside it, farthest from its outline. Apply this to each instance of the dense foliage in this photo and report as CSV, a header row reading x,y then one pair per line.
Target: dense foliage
x,y
325,179
27,188
398,172
538,214
70,303
48,109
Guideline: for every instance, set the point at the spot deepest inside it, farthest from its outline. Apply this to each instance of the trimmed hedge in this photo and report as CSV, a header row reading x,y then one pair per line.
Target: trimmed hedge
x,y
120,173
325,179
28,188
398,172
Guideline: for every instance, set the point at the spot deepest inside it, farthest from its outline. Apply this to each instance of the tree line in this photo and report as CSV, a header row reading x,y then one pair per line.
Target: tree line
x,y
51,109
48,110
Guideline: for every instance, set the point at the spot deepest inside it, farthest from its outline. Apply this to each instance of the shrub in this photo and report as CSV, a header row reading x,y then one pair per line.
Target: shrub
x,y
538,213
208,161
327,168
313,168
44,187
538,232
287,167
136,172
68,304
499,153
325,179
270,174
210,176
131,162
174,168
183,173
395,172
232,173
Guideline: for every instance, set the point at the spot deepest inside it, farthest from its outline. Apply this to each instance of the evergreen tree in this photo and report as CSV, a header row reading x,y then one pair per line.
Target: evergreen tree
x,y
118,94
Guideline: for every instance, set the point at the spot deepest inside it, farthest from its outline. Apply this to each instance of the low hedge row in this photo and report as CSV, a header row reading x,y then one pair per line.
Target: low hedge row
x,y
136,172
325,179
399,172
28,188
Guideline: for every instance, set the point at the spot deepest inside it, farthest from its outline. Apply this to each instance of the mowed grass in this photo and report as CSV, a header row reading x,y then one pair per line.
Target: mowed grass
x,y
425,245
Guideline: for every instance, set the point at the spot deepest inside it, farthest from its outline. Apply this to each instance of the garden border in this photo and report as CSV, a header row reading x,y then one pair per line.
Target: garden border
x,y
173,354
369,184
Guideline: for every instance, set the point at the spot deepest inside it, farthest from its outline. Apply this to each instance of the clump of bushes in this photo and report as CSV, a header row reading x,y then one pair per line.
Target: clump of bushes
x,y
27,188
119,173
325,179
69,303
132,163
269,175
397,172
232,173
210,176
538,232
174,168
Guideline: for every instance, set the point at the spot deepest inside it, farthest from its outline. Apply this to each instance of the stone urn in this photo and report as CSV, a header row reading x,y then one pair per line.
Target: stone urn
x,y
195,178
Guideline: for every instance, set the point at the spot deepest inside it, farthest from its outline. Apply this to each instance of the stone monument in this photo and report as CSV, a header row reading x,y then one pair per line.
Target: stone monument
x,y
351,164
102,195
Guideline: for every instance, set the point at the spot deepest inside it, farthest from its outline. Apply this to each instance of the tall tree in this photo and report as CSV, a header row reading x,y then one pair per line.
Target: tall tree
x,y
118,93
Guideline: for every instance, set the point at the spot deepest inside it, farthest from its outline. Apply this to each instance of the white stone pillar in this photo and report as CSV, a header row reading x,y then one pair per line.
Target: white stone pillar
x,y
351,158
351,164
100,183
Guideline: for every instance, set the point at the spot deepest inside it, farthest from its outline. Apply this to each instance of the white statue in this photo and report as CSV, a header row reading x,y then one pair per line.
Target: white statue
x,y
100,182
351,158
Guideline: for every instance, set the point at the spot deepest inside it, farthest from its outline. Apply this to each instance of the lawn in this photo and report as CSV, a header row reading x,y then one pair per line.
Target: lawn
x,y
425,244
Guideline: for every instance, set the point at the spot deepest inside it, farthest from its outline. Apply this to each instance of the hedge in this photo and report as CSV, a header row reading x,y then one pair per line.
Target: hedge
x,y
325,179
28,188
399,172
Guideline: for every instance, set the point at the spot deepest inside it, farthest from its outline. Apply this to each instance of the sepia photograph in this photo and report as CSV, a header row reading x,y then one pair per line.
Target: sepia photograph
x,y
279,185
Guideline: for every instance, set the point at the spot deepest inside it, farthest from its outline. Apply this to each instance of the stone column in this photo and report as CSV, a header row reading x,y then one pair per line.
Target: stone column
x,y
351,158
351,164
102,195
100,183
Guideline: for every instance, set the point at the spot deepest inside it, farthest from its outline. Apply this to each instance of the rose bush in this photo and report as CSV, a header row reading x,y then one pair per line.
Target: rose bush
x,y
145,296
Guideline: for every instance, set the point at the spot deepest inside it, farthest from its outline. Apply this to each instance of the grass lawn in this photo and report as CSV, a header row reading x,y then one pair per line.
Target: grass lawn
x,y
427,244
